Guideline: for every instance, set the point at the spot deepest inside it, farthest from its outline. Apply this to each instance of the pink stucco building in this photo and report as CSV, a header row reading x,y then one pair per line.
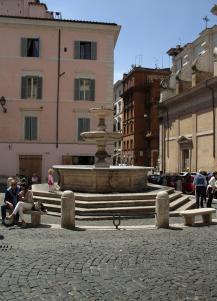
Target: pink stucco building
x,y
52,71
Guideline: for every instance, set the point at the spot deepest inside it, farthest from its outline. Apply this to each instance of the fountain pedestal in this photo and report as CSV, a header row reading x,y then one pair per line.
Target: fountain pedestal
x,y
101,137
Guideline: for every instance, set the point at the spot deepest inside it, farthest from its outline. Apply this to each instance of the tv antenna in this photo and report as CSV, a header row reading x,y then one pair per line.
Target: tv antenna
x,y
138,59
206,20
156,62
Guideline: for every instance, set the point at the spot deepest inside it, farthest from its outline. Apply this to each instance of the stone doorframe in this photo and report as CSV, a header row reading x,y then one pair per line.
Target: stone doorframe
x,y
185,143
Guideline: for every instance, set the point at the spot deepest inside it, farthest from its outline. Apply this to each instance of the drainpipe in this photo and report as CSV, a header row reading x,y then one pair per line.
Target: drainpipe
x,y
164,124
213,115
58,90
168,134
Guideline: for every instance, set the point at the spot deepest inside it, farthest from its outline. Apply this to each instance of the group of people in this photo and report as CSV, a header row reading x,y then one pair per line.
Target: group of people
x,y
204,188
17,199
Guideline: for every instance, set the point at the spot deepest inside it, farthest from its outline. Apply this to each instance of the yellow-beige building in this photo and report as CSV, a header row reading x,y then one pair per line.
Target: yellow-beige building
x,y
188,115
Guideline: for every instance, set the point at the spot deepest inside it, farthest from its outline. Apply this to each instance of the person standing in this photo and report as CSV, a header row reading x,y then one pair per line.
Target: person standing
x,y
200,184
212,186
11,199
50,180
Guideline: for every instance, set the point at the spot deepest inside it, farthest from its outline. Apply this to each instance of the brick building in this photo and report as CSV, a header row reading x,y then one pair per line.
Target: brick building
x,y
141,94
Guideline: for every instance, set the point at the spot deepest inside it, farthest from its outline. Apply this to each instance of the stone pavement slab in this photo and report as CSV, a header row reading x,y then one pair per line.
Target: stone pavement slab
x,y
138,263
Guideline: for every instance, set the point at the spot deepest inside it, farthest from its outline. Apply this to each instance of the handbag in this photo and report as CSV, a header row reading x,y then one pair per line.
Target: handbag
x,y
37,206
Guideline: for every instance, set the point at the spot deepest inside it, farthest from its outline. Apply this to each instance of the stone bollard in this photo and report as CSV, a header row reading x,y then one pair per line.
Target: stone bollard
x,y
162,210
179,185
68,210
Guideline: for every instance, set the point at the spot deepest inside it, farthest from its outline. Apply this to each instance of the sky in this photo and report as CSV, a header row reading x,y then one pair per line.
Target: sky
x,y
149,28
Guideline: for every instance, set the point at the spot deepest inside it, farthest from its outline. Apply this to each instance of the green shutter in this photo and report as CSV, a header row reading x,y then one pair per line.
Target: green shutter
x,y
80,128
24,87
77,50
93,50
27,128
92,90
38,47
23,47
77,89
33,128
39,88
86,124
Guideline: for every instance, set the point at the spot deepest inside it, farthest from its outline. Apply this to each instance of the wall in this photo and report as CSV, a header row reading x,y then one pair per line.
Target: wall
x,y
13,66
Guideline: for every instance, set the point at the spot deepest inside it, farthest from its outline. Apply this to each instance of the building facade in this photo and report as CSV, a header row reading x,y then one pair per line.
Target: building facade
x,y
52,71
188,107
141,94
118,113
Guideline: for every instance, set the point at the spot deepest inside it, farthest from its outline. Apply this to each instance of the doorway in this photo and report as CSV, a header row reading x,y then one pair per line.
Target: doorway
x,y
29,164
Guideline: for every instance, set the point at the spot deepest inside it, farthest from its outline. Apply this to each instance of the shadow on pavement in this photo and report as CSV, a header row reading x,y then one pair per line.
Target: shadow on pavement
x,y
175,228
202,224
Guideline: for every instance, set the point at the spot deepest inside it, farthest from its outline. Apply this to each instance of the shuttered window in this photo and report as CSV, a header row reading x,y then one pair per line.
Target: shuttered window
x,y
31,87
84,89
31,124
84,50
30,47
83,126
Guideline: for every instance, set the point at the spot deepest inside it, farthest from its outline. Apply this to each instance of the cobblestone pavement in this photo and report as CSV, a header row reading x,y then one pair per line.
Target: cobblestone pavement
x,y
48,263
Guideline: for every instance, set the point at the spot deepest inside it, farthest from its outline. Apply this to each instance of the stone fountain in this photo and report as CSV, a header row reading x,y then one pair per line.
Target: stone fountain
x,y
101,177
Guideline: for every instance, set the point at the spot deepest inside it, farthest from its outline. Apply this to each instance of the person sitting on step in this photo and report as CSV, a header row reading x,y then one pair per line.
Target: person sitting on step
x,y
25,203
11,199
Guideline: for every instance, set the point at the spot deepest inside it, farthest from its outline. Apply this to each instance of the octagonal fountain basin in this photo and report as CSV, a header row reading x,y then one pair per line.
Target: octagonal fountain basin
x,y
88,178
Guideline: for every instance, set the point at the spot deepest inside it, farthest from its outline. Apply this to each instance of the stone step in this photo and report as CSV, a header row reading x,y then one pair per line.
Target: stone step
x,y
109,217
175,195
179,202
53,213
47,194
47,200
52,198
189,205
120,196
116,211
52,207
105,204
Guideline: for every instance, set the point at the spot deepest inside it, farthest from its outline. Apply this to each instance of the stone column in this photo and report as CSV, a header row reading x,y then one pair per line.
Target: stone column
x,y
162,210
68,210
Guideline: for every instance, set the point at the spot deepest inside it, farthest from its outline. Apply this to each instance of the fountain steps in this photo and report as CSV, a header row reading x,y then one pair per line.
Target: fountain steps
x,y
103,206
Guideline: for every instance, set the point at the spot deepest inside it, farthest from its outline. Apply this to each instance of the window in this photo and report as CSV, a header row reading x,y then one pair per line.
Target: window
x,y
31,128
84,89
31,87
84,50
29,47
185,159
83,126
200,49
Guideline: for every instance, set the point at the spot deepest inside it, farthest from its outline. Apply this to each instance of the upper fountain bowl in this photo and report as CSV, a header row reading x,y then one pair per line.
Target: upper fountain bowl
x,y
100,136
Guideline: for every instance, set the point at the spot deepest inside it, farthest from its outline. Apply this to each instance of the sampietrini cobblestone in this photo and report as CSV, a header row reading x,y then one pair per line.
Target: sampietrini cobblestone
x,y
55,264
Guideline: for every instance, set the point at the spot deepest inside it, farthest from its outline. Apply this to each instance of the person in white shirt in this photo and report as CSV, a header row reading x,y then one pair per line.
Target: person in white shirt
x,y
212,186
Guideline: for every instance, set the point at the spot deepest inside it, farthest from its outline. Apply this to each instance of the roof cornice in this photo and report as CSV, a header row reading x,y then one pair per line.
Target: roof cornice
x,y
210,83
70,24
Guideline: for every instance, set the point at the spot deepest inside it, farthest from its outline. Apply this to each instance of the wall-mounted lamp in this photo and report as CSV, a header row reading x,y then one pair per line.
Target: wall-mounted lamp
x,y
145,115
2,103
